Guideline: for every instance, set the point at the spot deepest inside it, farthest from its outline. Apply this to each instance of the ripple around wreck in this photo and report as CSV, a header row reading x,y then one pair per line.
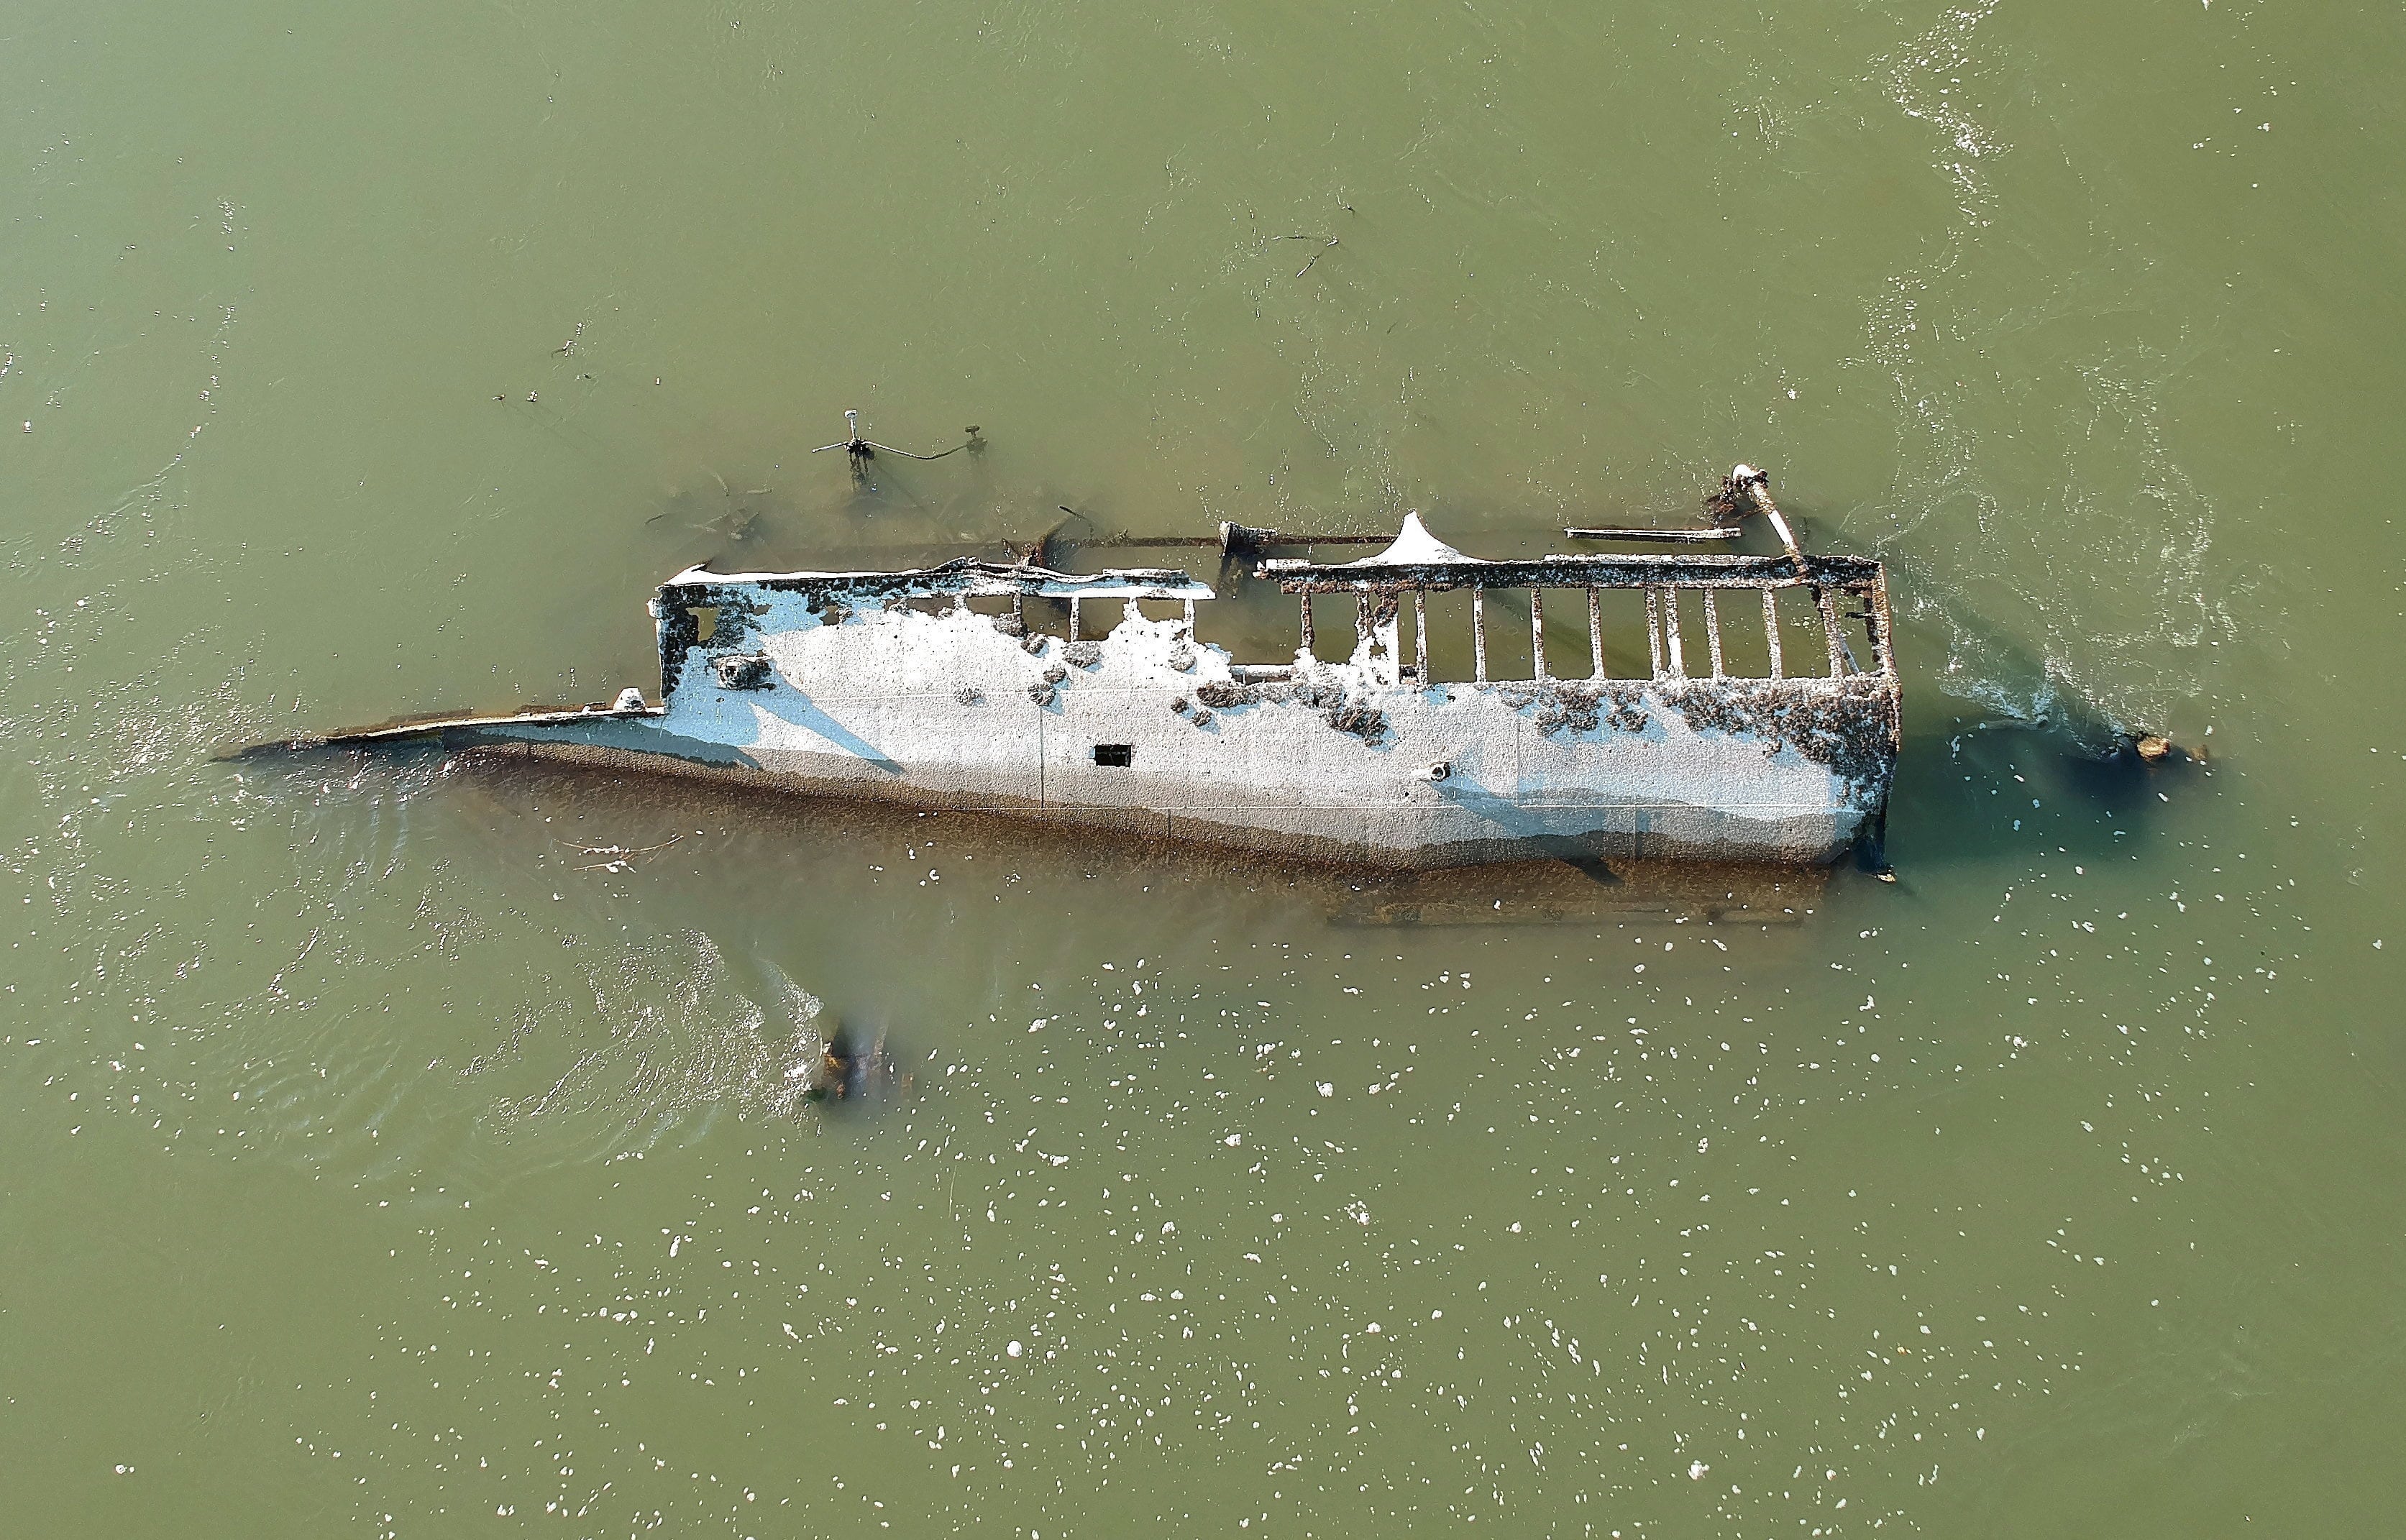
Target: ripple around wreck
x,y
672,1033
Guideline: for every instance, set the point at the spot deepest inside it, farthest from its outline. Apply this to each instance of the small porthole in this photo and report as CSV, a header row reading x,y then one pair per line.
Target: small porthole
x,y
1115,755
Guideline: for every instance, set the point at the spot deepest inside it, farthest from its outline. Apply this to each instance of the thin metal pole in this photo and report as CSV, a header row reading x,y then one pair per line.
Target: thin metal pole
x,y
1596,631
1479,635
1307,627
1883,635
1654,630
1713,632
1420,633
1537,630
1830,629
1076,604
1771,630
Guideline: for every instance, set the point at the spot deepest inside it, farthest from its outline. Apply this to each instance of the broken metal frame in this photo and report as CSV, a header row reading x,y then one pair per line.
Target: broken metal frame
x,y
1380,589
961,580
1661,577
1676,537
1379,585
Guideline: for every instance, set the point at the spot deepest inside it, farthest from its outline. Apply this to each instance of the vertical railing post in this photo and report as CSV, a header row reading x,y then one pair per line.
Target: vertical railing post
x,y
1077,610
1596,631
1771,632
1420,634
1654,631
1306,648
1713,632
1883,629
1830,629
1537,632
1671,633
1479,635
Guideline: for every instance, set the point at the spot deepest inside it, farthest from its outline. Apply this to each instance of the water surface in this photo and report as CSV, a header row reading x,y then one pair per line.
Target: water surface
x,y
379,1160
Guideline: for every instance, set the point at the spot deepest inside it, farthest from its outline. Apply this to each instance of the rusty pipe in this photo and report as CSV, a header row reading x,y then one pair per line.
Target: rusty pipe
x,y
1755,487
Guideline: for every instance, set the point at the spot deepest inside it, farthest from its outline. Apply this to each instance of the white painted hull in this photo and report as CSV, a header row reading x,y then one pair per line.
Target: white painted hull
x,y
937,711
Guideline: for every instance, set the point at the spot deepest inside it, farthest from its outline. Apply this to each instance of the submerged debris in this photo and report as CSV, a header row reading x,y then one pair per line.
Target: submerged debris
x,y
618,857
860,451
731,514
854,1067
1728,503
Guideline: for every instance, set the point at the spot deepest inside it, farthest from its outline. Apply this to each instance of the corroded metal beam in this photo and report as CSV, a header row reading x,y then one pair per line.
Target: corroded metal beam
x,y
1666,569
963,575
1682,537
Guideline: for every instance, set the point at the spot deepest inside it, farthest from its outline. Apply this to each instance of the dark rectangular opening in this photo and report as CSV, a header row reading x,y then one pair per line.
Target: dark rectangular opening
x,y
1745,647
1332,625
1804,640
1565,637
1695,647
1508,654
1858,624
1445,649
1115,755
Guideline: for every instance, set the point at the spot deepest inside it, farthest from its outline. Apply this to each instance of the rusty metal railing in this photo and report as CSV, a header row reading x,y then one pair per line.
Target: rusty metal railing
x,y
1380,592
1417,565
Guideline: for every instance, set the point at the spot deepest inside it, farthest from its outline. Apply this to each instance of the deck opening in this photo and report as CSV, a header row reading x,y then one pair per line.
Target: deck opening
x,y
1115,755
1804,644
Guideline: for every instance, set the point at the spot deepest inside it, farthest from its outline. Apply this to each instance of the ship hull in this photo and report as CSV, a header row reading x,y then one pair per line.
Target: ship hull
x,y
1144,732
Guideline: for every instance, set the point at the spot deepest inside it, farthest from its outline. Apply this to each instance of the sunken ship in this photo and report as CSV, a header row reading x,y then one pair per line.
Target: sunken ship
x,y
1760,723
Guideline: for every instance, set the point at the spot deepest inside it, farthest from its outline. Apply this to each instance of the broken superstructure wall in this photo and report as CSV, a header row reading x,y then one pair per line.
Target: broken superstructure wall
x,y
736,598
1851,719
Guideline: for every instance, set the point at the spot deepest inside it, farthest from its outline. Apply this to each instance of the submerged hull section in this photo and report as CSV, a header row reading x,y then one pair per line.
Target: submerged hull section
x,y
1145,731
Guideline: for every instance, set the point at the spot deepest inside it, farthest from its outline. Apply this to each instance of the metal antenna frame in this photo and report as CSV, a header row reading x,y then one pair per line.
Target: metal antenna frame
x,y
861,451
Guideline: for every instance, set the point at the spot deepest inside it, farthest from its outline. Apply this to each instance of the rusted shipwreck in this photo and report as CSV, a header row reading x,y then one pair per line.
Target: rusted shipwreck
x,y
1764,735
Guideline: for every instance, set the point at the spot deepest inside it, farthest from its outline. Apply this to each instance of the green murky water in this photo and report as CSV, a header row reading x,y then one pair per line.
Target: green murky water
x,y
378,1162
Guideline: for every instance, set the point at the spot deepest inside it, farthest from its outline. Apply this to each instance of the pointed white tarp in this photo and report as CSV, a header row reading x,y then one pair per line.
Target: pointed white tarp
x,y
1414,547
